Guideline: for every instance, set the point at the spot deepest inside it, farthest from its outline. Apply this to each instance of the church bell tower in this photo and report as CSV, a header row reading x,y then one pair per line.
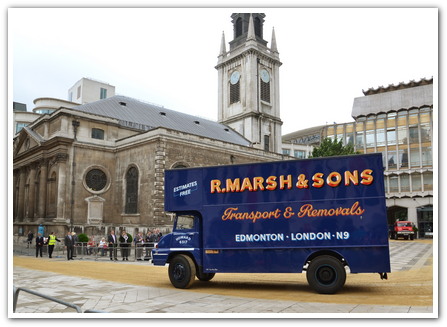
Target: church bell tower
x,y
248,84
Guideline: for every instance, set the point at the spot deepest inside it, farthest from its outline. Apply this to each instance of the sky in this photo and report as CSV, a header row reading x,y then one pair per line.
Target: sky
x,y
167,56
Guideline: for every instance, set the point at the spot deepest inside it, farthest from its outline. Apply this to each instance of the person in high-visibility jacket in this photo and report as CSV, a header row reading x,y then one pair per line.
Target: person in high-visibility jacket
x,y
52,239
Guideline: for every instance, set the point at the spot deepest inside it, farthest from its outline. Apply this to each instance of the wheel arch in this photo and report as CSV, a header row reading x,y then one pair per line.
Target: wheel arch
x,y
173,254
332,253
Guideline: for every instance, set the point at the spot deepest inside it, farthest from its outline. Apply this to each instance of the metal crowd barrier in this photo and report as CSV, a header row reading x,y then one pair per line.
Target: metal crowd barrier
x,y
78,309
137,252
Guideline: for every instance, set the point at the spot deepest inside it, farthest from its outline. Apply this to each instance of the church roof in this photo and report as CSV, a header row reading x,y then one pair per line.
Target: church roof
x,y
145,116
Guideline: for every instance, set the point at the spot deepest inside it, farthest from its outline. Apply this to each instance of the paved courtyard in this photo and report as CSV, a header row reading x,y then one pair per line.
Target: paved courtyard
x,y
145,301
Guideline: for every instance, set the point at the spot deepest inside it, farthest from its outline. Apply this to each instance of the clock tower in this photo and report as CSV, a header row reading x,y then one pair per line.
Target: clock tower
x,y
248,84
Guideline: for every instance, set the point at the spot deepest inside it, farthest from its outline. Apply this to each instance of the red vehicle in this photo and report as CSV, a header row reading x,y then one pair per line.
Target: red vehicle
x,y
402,229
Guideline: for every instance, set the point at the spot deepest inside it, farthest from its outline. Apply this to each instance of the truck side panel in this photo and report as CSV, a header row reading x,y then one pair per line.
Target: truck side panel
x,y
270,217
273,260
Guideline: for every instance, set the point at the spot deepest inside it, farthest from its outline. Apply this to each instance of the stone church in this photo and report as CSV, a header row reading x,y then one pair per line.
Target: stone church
x,y
100,165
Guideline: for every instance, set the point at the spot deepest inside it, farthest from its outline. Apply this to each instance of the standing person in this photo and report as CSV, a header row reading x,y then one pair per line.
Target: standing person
x,y
69,244
51,242
139,243
102,245
75,242
39,244
30,239
113,243
158,235
125,241
150,239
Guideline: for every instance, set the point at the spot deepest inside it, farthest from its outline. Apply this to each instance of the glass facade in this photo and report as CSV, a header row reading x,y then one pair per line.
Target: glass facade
x,y
404,138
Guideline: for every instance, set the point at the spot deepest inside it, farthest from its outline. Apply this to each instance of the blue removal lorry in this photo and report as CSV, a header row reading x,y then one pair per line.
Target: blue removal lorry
x,y
318,215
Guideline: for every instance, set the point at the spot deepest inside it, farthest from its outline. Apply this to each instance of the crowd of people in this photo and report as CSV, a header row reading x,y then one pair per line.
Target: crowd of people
x,y
100,245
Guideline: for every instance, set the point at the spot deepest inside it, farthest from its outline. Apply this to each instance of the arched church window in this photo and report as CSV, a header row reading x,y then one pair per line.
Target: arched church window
x,y
235,87
131,205
265,85
235,94
265,91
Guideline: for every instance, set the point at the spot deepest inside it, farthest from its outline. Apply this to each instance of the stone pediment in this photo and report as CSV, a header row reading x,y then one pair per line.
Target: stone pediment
x,y
26,140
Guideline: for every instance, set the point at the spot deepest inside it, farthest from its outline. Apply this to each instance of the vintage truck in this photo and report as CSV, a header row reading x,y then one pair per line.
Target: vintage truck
x,y
402,229
317,215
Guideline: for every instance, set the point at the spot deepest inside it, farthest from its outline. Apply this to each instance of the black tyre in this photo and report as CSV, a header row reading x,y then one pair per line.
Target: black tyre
x,y
326,274
204,277
182,271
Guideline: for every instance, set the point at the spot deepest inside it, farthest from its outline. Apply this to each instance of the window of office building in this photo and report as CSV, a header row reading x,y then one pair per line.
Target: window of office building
x,y
299,154
416,185
415,158
350,134
405,183
370,127
426,156
428,180
103,93
403,158
394,184
359,136
286,152
370,138
380,132
392,159
340,133
391,129
19,126
413,129
425,133
413,134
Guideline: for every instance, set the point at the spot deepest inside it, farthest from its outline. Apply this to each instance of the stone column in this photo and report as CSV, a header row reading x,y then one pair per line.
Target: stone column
x,y
14,194
42,188
61,185
31,192
158,191
21,195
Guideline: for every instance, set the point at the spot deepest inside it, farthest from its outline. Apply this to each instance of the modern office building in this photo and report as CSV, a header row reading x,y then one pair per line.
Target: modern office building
x,y
88,90
396,121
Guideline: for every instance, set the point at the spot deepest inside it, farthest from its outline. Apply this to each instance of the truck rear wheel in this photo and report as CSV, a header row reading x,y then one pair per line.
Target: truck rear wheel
x,y
204,277
326,274
182,271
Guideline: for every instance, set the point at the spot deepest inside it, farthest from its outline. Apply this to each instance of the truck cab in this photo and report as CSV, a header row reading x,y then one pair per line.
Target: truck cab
x,y
182,250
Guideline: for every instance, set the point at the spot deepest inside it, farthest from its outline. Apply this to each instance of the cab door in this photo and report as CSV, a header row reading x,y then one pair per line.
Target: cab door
x,y
186,232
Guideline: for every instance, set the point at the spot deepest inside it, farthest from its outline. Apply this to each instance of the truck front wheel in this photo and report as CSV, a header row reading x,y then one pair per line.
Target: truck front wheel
x,y
326,274
182,271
